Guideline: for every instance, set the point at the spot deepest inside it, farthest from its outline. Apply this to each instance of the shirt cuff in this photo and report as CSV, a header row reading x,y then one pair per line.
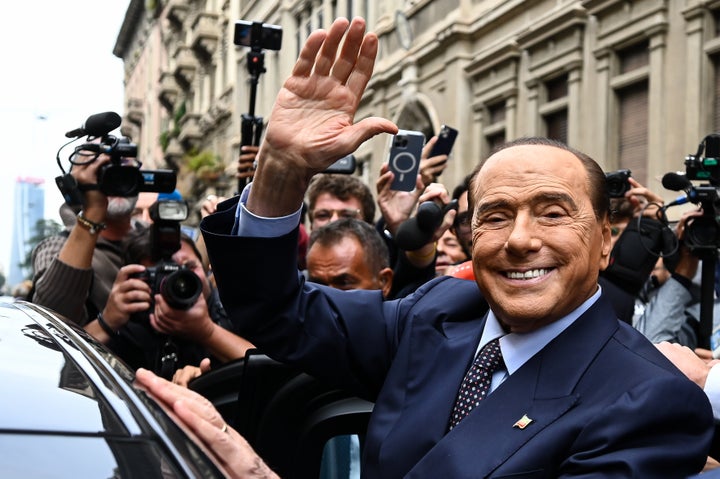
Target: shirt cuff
x,y
712,389
251,225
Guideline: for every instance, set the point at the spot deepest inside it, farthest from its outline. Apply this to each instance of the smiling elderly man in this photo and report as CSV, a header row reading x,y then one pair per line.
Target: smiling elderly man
x,y
546,382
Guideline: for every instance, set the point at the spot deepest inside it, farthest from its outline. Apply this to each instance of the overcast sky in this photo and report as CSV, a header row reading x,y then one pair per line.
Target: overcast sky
x,y
57,69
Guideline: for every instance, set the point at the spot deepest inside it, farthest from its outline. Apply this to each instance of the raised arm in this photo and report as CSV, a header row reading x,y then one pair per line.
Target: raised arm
x,y
311,124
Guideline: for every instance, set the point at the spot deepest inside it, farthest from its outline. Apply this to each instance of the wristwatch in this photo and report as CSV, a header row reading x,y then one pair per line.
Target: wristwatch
x,y
92,227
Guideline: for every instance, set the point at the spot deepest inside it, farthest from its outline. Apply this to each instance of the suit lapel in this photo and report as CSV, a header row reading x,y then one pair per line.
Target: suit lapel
x,y
542,390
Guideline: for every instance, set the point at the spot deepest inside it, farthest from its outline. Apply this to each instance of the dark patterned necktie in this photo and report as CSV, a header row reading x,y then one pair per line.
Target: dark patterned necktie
x,y
476,384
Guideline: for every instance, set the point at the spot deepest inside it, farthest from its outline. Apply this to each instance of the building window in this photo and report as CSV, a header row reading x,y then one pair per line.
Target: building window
x,y
634,57
495,126
496,113
632,104
554,111
716,18
633,129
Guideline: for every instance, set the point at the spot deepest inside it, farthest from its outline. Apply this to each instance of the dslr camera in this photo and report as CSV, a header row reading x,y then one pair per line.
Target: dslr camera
x,y
617,182
179,286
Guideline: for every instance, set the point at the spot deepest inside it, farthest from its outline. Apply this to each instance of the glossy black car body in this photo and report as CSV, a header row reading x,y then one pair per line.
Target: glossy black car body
x,y
68,408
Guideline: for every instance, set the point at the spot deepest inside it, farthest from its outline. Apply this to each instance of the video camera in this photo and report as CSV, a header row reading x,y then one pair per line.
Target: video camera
x,y
702,234
122,176
179,286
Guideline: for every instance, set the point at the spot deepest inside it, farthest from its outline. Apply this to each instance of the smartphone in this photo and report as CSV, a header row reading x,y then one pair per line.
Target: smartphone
x,y
404,158
258,35
445,141
345,166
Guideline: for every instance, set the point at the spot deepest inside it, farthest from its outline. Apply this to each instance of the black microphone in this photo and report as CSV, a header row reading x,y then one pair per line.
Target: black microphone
x,y
418,231
676,182
98,124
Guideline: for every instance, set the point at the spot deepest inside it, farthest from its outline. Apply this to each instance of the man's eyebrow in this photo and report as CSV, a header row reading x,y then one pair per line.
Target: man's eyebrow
x,y
543,197
557,197
491,205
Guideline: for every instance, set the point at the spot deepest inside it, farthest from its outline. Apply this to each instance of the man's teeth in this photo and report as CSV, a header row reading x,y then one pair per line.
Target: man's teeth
x,y
533,273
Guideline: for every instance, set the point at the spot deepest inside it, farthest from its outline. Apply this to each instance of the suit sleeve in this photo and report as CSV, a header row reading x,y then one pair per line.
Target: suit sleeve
x,y
346,337
658,434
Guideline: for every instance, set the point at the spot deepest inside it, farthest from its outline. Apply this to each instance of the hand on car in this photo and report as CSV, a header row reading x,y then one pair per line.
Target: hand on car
x,y
229,449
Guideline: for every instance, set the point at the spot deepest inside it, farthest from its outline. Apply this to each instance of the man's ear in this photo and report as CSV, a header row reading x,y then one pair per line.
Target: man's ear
x,y
606,245
385,277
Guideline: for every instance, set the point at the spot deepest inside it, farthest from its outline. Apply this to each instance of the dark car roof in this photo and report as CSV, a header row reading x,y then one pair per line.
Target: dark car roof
x,y
68,408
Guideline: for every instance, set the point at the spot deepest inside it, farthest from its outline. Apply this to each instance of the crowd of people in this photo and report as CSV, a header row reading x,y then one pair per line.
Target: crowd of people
x,y
591,324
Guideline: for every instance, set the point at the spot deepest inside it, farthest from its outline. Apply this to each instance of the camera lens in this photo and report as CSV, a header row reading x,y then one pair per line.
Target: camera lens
x,y
181,289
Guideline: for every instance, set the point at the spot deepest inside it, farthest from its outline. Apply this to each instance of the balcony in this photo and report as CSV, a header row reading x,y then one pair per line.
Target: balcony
x,y
185,66
218,111
177,11
205,34
134,111
169,91
190,132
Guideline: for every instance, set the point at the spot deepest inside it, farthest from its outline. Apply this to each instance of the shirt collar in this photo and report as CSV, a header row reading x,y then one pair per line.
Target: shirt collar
x,y
517,348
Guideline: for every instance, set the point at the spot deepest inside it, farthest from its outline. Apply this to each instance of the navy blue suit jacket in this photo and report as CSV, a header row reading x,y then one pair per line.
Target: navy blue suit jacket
x,y
602,400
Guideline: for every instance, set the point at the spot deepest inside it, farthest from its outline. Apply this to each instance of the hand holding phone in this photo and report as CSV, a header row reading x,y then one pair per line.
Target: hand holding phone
x,y
404,159
445,141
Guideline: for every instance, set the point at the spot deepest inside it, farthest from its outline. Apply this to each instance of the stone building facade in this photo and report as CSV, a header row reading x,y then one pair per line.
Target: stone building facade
x,y
634,83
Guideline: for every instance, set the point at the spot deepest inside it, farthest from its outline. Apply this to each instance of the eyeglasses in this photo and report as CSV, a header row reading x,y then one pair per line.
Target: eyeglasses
x,y
326,215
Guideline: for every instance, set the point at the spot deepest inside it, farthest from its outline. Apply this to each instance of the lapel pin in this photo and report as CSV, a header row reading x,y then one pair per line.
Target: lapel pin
x,y
523,422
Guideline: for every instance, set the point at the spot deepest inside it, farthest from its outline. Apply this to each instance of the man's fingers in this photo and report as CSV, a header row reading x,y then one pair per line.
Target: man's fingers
x,y
364,64
304,65
328,51
170,394
366,129
345,63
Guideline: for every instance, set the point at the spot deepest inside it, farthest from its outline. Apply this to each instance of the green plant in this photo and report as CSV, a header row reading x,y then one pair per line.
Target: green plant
x,y
202,159
164,140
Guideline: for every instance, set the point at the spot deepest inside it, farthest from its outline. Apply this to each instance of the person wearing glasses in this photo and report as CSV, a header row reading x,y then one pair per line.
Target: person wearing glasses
x,y
334,196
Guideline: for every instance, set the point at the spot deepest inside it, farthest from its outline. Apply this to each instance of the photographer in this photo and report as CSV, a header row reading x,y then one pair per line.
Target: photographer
x,y
73,273
673,314
147,329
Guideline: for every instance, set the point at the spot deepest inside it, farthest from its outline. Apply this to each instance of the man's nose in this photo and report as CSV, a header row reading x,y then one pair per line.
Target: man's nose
x,y
524,235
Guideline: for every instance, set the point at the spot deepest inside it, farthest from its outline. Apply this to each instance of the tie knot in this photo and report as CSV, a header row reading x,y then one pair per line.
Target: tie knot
x,y
490,356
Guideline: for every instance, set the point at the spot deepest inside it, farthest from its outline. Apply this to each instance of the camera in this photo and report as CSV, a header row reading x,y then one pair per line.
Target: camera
x,y
617,182
258,35
177,284
117,178
122,176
